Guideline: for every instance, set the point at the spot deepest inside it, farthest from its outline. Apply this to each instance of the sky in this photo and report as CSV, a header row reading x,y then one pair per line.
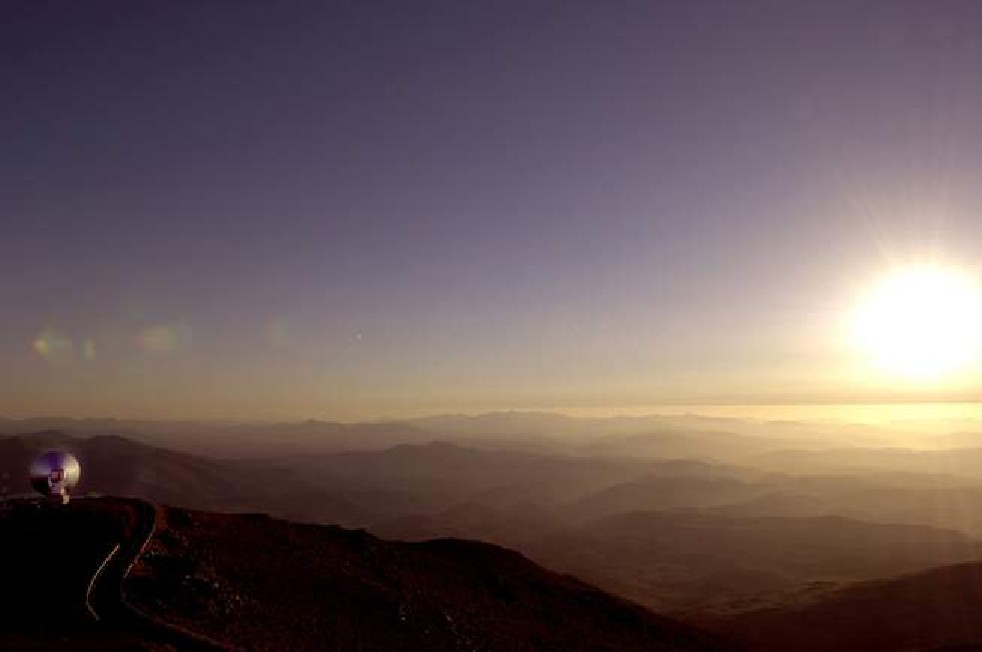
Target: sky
x,y
359,209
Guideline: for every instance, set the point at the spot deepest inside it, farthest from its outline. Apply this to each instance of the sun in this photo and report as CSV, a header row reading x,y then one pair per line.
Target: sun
x,y
921,323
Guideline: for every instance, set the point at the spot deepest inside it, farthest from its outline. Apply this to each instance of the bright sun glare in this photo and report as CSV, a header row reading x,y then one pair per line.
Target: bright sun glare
x,y
922,323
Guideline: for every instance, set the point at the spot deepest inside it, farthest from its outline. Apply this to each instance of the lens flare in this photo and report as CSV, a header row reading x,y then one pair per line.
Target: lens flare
x,y
53,345
163,338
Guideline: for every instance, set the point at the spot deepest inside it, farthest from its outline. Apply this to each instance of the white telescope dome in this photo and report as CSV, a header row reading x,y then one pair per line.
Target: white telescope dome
x,y
55,474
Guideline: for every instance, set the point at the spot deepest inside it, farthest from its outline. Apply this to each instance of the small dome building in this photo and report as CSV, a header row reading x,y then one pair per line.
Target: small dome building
x,y
55,474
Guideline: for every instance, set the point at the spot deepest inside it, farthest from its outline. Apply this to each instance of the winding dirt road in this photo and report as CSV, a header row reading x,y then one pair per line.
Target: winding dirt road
x,y
106,597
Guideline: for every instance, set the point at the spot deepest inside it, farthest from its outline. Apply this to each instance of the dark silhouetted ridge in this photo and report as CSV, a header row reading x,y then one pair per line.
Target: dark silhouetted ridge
x,y
932,610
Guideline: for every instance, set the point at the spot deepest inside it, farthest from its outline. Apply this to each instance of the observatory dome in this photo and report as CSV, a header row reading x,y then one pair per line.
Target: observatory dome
x,y
55,474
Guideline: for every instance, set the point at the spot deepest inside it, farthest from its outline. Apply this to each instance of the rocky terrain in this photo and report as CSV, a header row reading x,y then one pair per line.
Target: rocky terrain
x,y
259,583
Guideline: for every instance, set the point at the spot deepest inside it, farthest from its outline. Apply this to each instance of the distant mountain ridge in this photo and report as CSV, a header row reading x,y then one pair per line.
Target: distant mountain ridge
x,y
678,535
651,436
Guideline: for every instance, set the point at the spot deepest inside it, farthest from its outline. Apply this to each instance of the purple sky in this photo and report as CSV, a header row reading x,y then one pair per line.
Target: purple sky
x,y
350,209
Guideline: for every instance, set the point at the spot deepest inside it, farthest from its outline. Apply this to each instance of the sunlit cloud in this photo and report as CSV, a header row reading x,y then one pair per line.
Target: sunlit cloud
x,y
162,339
